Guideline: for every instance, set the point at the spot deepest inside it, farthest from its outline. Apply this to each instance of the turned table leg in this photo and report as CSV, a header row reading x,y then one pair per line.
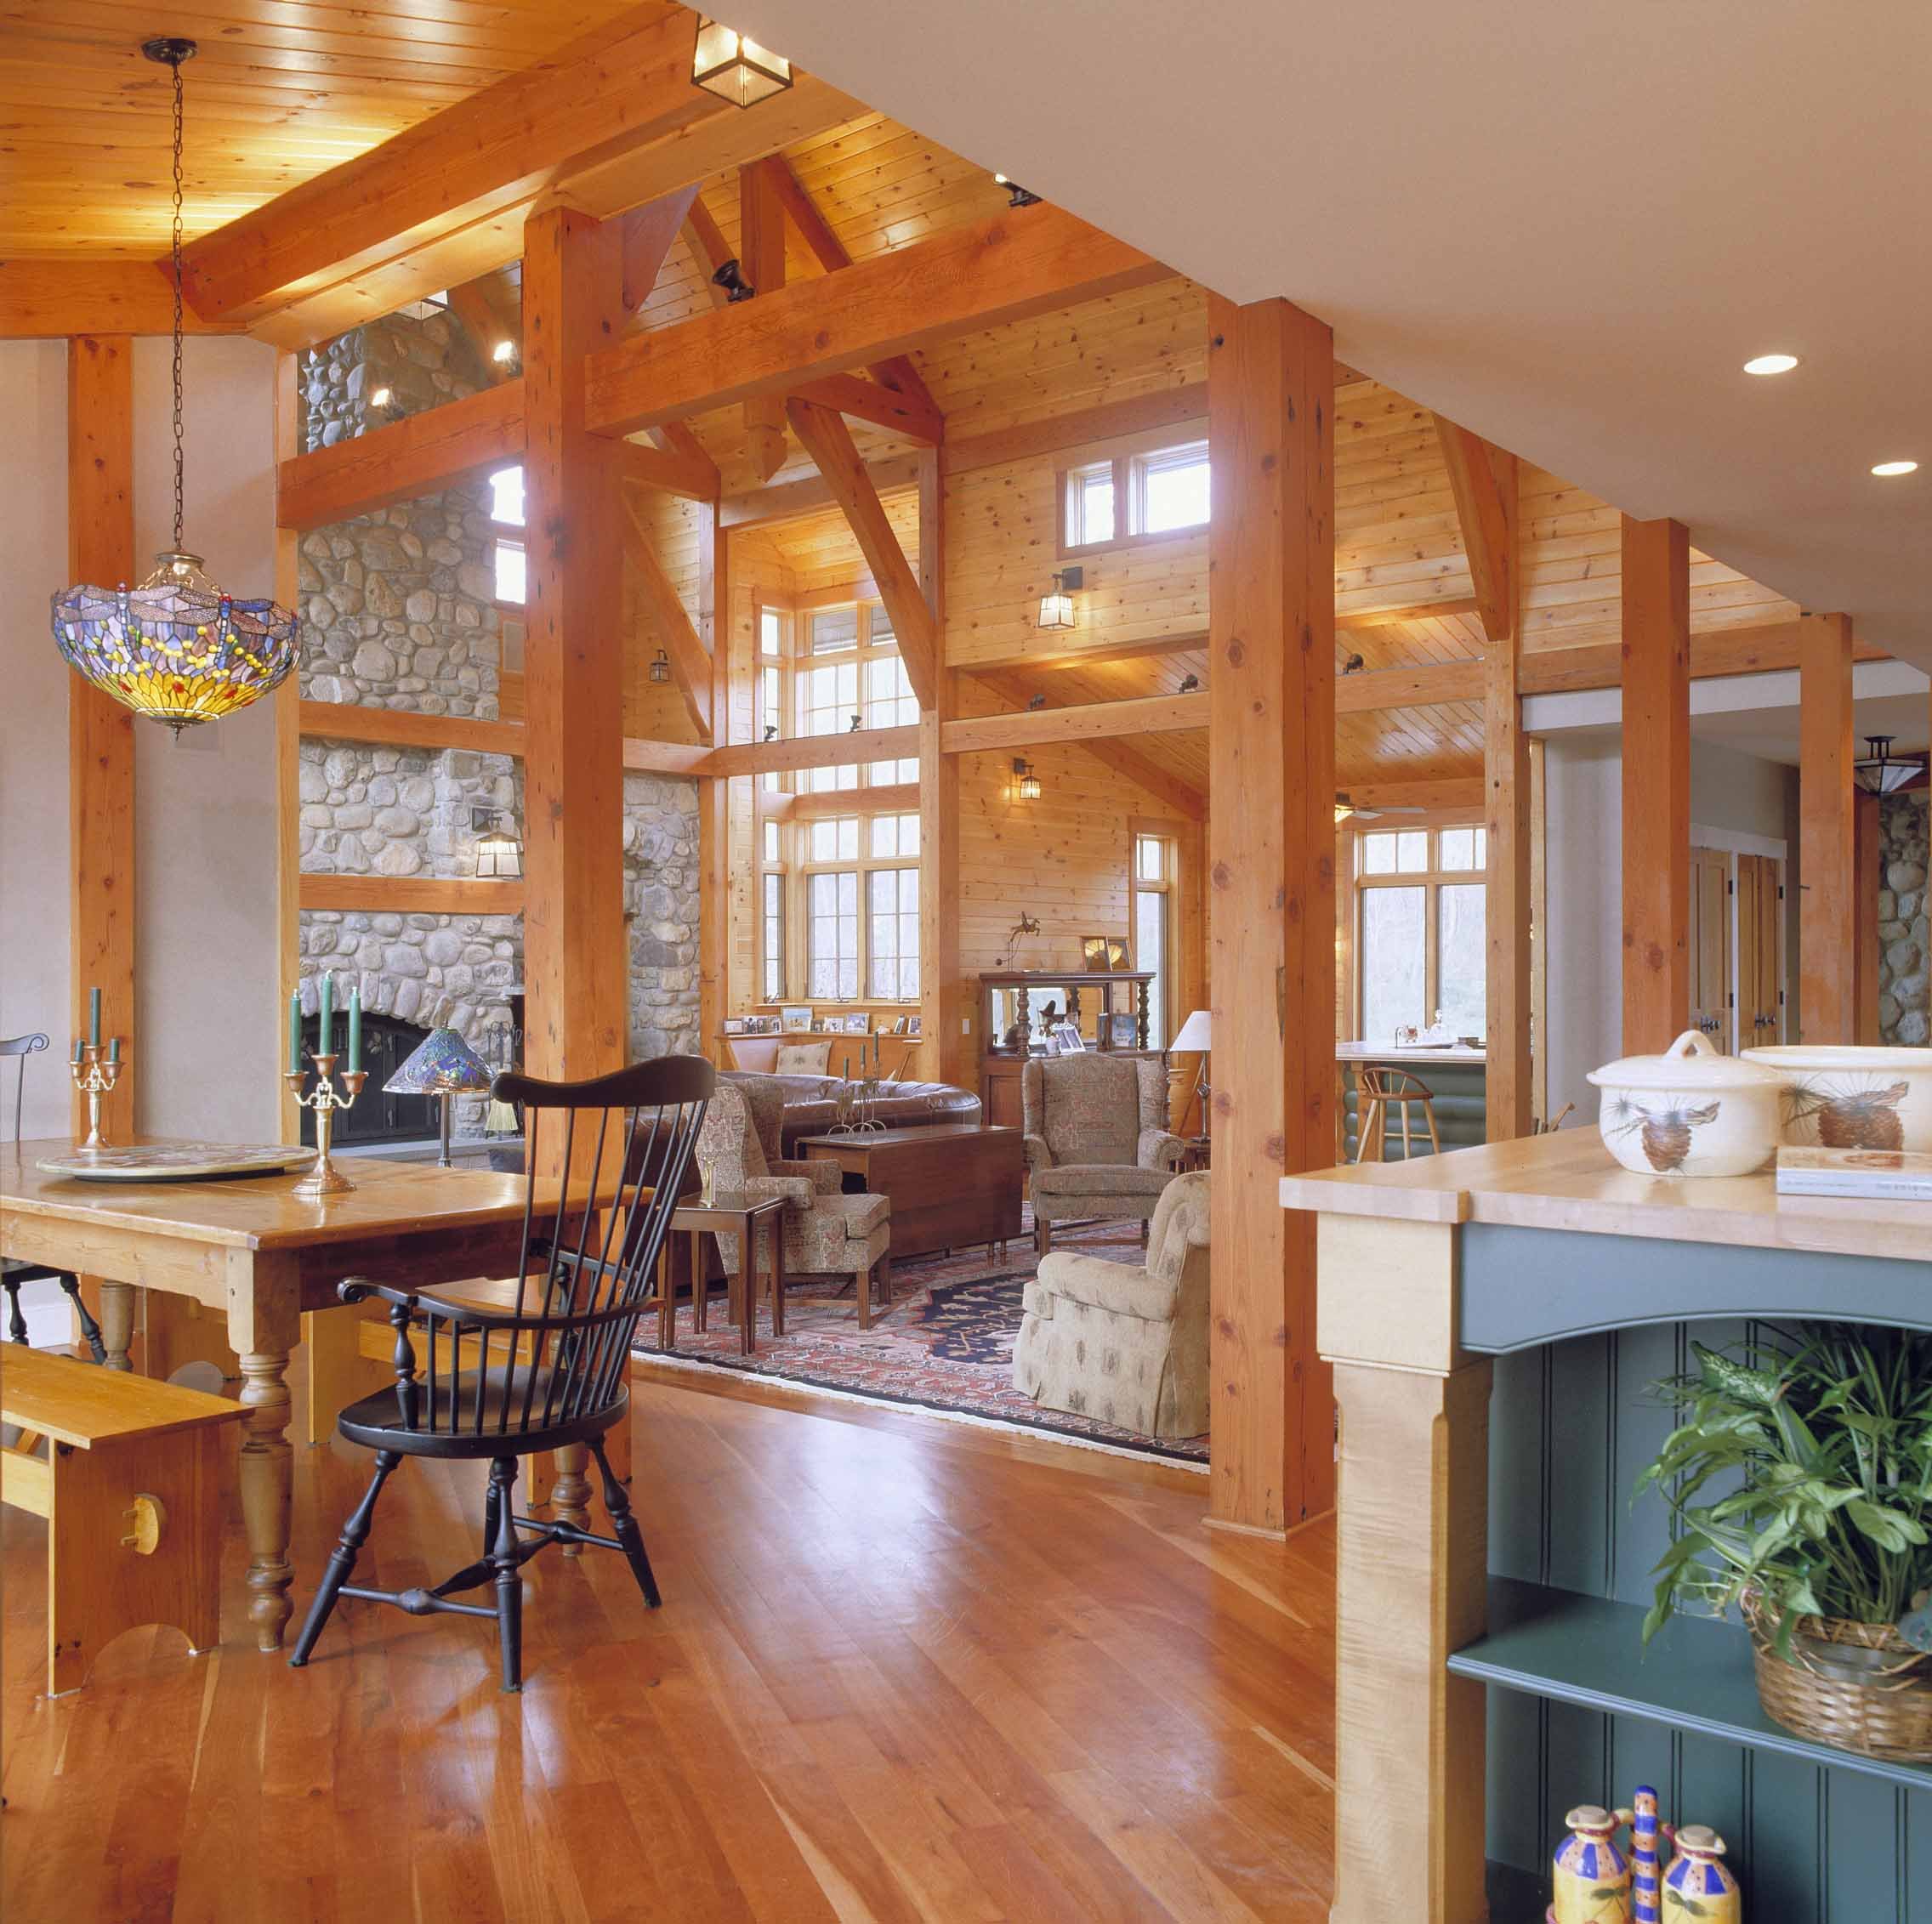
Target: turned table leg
x,y
569,1495
267,1480
117,1322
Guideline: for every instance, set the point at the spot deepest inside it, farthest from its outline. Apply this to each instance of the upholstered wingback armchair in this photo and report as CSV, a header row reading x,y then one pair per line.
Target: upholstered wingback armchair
x,y
825,1232
1122,1345
1097,1138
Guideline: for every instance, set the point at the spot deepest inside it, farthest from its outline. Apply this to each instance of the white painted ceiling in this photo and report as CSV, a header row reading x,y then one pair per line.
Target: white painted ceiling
x,y
1565,224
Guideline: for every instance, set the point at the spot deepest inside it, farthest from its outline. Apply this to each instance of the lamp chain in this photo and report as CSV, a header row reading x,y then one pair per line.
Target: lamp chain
x,y
176,68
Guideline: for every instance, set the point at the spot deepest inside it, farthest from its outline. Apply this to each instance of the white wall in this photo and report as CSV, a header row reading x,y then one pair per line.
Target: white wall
x,y
34,944
205,879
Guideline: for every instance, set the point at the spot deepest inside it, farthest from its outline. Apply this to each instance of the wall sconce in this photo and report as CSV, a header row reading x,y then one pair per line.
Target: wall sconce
x,y
504,353
771,731
1190,684
1880,772
1035,703
858,723
732,281
1025,783
1016,195
380,398
499,855
660,667
1354,665
1056,610
736,69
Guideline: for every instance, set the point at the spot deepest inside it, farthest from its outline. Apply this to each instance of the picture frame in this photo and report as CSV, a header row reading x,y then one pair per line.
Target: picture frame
x,y
859,1023
1117,956
1068,1035
912,1025
1123,1030
1093,954
734,1025
796,1018
898,1027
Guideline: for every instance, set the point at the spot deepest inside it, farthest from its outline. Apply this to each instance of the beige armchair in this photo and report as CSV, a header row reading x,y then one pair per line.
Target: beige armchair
x,y
826,1231
1097,1138
1125,1346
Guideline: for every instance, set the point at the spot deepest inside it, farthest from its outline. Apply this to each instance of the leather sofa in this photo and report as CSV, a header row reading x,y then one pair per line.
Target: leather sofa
x,y
809,1106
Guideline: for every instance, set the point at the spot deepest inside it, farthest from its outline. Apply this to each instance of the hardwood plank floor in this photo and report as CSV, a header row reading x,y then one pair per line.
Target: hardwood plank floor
x,y
904,1671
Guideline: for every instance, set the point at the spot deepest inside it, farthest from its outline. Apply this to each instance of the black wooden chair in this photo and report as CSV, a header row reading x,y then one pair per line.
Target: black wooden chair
x,y
14,1273
542,1378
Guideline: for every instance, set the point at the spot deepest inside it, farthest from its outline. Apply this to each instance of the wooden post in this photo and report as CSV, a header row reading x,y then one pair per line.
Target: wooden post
x,y
1868,872
761,243
1828,913
574,949
715,868
942,1005
287,745
1271,865
100,731
1656,784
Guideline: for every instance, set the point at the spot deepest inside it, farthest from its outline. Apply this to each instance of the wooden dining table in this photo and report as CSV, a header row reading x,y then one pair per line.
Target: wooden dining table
x,y
253,1250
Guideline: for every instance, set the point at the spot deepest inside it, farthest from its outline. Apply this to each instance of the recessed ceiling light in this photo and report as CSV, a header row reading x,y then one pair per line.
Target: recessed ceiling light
x,y
1888,468
1772,363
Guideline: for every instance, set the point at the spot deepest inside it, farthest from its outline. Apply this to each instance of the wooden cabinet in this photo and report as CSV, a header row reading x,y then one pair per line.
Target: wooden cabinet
x,y
1018,1008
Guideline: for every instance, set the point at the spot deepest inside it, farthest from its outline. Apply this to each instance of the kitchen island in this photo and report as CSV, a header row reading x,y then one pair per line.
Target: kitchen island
x,y
1495,1318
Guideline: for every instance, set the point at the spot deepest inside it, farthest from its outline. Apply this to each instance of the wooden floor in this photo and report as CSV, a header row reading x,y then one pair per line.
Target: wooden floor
x,y
904,1671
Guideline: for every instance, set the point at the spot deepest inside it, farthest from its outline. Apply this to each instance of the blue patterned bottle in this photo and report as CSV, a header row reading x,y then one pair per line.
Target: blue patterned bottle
x,y
1646,1871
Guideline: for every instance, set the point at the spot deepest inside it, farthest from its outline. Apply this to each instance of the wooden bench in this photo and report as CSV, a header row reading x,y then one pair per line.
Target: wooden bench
x,y
134,1488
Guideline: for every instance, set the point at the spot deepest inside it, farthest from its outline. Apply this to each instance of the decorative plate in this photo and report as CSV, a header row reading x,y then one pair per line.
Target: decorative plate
x,y
176,1162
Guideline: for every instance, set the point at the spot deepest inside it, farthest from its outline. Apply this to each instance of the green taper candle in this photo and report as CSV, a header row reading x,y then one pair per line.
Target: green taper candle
x,y
326,1014
93,1018
354,1030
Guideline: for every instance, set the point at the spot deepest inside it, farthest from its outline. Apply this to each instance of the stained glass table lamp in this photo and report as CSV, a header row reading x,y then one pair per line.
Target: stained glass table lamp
x,y
443,1066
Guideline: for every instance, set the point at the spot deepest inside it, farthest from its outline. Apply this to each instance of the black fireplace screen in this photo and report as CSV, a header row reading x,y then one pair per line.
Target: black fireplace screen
x,y
374,1117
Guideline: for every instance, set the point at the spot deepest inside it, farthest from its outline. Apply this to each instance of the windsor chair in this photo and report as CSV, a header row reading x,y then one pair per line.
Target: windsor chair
x,y
540,1378
14,1273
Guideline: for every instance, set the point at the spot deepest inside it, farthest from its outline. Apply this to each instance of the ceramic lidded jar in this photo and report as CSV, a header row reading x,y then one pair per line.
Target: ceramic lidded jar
x,y
1690,1111
1590,1879
1852,1098
1700,1885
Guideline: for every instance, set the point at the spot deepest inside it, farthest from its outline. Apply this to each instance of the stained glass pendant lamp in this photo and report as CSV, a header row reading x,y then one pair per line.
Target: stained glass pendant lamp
x,y
177,648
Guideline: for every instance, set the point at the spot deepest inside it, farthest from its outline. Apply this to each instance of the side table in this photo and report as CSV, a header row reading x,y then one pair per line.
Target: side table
x,y
733,1214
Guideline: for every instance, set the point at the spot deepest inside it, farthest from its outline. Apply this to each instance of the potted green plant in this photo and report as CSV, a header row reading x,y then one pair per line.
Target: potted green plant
x,y
1800,1482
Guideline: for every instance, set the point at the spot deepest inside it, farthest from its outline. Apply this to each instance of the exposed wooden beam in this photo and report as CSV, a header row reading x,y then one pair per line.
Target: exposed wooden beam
x,y
1361,619
763,507
411,894
824,436
649,231
1429,685
884,407
418,455
403,728
1656,784
1271,856
100,730
1090,721
710,250
812,752
626,85
777,805
49,300
671,622
982,274
693,477
1104,649
575,957
761,256
1184,407
1483,479
830,252
1454,792
665,757
1770,647
1827,839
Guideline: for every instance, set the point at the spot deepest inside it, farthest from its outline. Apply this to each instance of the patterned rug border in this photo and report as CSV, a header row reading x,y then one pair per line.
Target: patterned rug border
x,y
1152,1449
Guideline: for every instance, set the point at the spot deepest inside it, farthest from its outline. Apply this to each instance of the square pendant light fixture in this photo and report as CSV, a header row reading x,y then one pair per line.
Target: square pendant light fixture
x,y
1056,608
1880,772
737,69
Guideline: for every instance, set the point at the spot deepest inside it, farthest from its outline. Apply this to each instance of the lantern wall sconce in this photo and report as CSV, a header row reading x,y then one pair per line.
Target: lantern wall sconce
x,y
1025,783
730,277
1056,608
1879,771
499,855
660,667
725,63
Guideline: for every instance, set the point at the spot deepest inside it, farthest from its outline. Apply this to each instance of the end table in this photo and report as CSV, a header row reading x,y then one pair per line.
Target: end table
x,y
733,1214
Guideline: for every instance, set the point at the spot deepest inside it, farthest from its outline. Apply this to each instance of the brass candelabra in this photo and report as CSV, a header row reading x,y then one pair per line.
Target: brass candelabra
x,y
95,1073
324,1179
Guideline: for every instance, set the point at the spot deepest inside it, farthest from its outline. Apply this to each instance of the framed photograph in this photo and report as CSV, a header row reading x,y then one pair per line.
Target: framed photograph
x,y
734,1025
859,1024
898,1027
1117,956
1067,1034
1124,1032
912,1025
797,1019
1093,953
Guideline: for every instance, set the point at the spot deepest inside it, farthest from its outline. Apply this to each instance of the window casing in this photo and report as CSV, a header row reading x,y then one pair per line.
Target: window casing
x,y
1151,885
1420,895
860,876
1133,497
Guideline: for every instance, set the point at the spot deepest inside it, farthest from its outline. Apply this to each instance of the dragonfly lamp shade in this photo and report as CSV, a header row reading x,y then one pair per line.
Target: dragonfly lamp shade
x,y
443,1066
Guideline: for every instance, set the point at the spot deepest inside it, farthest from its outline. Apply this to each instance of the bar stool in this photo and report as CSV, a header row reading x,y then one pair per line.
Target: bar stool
x,y
1382,1089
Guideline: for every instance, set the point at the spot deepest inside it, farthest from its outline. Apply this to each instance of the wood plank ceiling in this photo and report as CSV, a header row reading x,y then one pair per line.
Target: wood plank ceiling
x,y
281,90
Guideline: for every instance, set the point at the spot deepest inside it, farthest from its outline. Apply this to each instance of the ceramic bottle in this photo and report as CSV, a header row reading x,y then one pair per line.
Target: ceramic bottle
x,y
1591,1876
1697,1885
1646,1869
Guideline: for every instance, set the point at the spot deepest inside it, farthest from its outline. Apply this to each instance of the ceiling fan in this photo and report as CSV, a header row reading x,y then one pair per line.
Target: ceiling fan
x,y
1344,808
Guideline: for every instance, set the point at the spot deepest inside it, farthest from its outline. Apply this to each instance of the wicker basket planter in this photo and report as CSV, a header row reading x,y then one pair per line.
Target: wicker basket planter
x,y
1855,1686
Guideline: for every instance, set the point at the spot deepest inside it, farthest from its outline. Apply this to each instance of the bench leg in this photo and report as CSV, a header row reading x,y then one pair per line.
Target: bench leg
x,y
98,1585
116,1323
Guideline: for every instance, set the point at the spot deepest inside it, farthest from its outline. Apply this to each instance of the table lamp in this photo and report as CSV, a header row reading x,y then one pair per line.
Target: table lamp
x,y
1196,1034
443,1065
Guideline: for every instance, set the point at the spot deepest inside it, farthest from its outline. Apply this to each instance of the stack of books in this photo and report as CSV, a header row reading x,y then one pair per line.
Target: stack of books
x,y
1879,1175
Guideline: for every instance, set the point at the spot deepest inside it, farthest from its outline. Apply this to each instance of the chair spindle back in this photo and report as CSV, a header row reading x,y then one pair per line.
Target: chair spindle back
x,y
21,1046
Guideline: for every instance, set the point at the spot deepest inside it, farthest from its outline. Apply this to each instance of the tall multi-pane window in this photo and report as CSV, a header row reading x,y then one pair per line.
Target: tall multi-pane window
x,y
774,936
1153,881
508,558
1419,929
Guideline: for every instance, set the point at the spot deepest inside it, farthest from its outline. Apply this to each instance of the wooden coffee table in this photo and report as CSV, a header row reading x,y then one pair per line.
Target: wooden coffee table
x,y
951,1185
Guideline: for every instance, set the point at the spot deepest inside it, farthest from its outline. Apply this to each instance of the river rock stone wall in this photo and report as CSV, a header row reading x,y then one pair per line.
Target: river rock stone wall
x,y
661,909
425,359
399,811
1905,944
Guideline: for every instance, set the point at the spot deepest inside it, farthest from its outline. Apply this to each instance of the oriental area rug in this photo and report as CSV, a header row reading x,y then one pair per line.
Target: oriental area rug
x,y
947,1347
